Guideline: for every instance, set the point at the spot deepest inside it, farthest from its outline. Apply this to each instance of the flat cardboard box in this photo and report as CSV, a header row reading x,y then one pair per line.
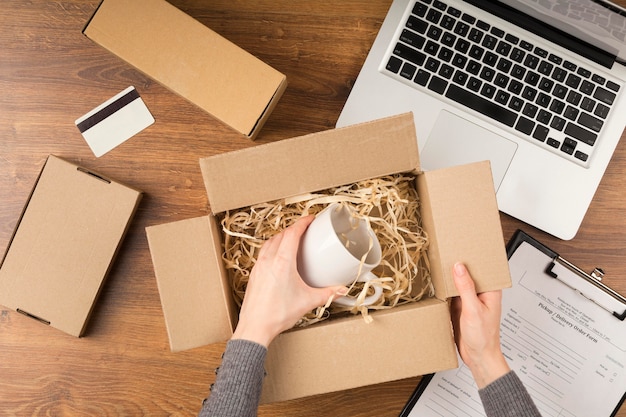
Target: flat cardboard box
x,y
64,244
459,213
190,59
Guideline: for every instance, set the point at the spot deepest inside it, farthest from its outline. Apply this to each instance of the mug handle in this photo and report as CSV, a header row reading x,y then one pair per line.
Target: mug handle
x,y
369,300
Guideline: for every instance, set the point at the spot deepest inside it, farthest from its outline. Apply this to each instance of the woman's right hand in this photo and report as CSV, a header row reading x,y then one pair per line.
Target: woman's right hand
x,y
476,322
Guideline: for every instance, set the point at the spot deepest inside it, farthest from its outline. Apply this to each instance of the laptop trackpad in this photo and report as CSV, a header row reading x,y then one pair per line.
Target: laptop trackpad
x,y
456,141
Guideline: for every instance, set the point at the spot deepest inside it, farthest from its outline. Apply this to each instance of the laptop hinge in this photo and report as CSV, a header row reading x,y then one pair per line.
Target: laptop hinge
x,y
544,30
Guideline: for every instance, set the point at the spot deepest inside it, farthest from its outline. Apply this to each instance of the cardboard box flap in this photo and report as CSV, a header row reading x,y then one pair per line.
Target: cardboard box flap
x,y
463,223
310,163
345,354
188,267
188,58
64,244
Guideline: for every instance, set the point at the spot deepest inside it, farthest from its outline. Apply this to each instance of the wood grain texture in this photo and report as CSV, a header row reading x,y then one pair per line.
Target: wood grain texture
x,y
50,74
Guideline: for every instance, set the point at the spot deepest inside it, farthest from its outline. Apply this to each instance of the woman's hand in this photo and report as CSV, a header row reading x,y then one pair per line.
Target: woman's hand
x,y
476,321
276,296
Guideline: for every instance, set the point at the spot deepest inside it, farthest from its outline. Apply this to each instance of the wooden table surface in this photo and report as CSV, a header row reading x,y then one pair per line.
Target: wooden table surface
x,y
50,74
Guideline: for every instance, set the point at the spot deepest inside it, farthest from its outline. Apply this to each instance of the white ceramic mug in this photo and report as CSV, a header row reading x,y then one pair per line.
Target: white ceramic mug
x,y
332,250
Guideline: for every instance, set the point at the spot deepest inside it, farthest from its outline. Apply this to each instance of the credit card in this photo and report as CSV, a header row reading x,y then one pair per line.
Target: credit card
x,y
114,121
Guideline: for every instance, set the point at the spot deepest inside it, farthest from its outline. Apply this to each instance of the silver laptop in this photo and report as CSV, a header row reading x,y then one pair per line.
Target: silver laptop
x,y
534,86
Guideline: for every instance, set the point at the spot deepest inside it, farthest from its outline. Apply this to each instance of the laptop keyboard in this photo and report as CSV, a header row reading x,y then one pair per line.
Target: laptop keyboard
x,y
541,96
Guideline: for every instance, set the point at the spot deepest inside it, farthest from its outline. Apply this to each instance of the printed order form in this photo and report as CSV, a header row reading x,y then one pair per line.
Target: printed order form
x,y
569,352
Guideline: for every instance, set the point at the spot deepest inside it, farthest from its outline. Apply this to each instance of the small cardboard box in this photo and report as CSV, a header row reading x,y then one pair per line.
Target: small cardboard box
x,y
189,59
64,244
459,213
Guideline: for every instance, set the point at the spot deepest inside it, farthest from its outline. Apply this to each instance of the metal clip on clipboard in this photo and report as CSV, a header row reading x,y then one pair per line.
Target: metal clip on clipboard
x,y
591,287
606,298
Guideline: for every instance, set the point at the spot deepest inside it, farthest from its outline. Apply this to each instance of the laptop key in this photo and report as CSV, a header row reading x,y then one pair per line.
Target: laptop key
x,y
394,64
559,91
446,71
408,71
488,90
438,85
431,48
416,24
497,32
432,65
433,16
502,97
525,125
448,39
559,74
587,104
541,133
544,117
529,93
612,86
553,142
601,111
440,5
460,77
581,134
434,32
422,77
454,12
530,110
587,87
590,122
420,9
503,48
605,96
526,45
481,105
568,146
571,113
532,78
448,22
504,65
581,155
489,42
490,59
475,35
573,81
557,123
409,54
483,25
517,55
459,60
545,68
474,84
412,39
461,28
574,97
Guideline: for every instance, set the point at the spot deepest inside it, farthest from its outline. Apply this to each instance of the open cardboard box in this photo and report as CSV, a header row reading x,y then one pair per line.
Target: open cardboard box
x,y
64,244
459,213
190,59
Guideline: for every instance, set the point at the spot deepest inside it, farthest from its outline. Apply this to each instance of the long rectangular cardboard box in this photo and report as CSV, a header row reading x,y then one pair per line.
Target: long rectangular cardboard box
x,y
459,213
64,244
190,59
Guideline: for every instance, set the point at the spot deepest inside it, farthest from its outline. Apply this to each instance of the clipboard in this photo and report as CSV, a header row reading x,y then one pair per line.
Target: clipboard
x,y
591,285
564,280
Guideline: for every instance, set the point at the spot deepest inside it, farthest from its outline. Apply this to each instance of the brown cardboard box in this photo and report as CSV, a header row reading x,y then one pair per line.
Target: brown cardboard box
x,y
189,59
64,244
459,213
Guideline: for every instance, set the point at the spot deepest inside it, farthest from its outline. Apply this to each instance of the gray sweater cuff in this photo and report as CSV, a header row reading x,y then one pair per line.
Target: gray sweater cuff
x,y
237,389
507,397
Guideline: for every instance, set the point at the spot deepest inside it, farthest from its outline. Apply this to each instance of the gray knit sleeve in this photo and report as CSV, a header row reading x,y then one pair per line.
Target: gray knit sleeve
x,y
507,397
237,389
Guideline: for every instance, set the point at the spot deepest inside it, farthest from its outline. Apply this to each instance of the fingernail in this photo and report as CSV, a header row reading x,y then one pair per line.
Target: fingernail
x,y
342,291
459,269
